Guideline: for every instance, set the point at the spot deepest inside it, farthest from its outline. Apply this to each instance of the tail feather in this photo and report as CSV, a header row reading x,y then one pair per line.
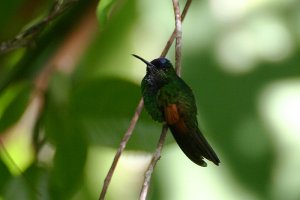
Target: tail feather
x,y
193,144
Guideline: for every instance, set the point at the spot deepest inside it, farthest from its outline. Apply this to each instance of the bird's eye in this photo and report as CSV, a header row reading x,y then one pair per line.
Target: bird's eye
x,y
164,68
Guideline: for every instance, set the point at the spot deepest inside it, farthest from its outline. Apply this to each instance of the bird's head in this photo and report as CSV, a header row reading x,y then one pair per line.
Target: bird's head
x,y
159,68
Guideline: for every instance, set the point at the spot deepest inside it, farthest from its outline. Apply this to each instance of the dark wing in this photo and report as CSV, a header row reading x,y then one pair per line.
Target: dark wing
x,y
182,122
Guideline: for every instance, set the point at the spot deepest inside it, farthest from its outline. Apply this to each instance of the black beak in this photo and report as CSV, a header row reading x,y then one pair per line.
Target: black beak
x,y
143,60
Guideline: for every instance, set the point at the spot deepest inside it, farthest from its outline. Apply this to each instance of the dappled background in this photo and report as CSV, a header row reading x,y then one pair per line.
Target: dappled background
x,y
67,99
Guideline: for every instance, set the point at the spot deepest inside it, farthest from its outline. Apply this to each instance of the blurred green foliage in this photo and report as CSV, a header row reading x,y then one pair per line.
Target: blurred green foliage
x,y
230,57
16,107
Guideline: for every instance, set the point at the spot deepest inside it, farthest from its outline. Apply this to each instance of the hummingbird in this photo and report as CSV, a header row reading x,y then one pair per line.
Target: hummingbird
x,y
168,99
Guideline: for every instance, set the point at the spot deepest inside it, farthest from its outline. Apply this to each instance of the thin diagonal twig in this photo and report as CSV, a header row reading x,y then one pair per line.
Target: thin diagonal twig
x,y
27,36
172,38
154,160
157,153
178,34
122,147
134,119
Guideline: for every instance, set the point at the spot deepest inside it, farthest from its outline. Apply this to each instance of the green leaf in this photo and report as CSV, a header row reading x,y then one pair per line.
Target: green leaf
x,y
15,108
68,167
71,151
64,131
31,185
107,44
4,174
104,109
103,10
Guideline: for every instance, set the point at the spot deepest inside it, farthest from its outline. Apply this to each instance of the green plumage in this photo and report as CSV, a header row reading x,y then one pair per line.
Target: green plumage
x,y
167,98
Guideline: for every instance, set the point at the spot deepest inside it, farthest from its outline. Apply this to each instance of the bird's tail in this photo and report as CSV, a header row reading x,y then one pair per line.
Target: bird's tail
x,y
193,144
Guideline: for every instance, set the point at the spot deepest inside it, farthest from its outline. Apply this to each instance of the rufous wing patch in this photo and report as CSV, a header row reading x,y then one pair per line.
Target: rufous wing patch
x,y
171,114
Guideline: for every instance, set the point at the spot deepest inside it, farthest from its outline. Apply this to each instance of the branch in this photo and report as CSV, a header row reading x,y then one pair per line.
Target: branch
x,y
123,144
156,155
134,119
25,38
178,32
154,160
172,37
